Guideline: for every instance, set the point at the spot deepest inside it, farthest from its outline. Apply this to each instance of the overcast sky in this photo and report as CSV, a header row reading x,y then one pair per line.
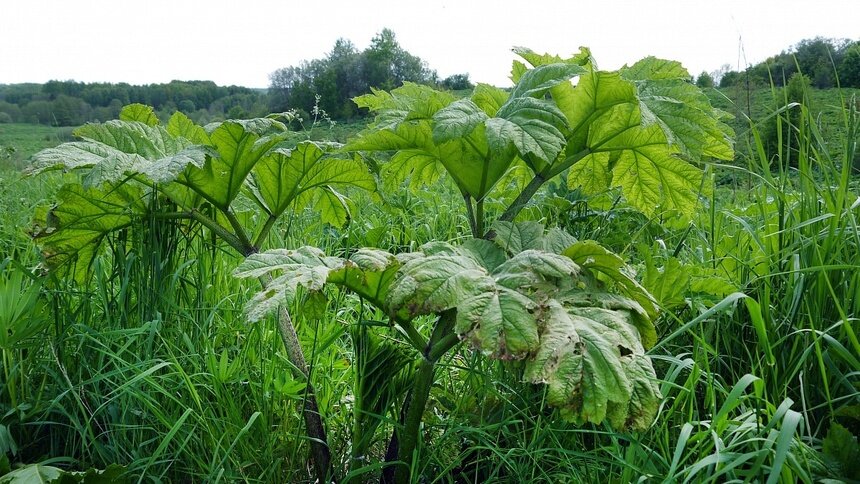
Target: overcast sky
x,y
241,43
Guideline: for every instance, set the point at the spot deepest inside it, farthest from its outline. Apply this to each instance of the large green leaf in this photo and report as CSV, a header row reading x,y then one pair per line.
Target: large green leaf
x,y
70,233
647,168
515,237
681,109
140,113
418,166
536,82
408,102
534,126
180,126
305,173
239,146
489,98
457,120
465,159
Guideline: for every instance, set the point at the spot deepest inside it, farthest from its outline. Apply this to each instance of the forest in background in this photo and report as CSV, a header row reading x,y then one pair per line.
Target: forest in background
x,y
328,85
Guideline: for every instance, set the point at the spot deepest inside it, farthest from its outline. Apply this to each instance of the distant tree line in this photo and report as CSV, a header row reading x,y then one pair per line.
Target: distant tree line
x,y
330,83
821,60
70,103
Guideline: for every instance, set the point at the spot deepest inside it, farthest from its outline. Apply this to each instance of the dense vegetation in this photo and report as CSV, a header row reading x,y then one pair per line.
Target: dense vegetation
x,y
345,73
314,89
550,284
70,103
826,62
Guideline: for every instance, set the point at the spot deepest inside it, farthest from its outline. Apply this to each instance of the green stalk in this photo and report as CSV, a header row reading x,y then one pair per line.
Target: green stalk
x,y
440,343
221,232
240,232
523,198
470,214
310,410
479,219
264,232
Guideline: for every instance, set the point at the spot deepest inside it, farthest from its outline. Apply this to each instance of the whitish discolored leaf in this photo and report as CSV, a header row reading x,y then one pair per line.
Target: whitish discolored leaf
x,y
584,358
517,237
531,269
307,267
76,155
167,169
576,297
499,323
436,283
132,137
115,150
263,263
369,273
640,411
457,120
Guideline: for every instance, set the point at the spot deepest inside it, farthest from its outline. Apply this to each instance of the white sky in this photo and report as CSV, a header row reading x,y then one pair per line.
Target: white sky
x,y
241,43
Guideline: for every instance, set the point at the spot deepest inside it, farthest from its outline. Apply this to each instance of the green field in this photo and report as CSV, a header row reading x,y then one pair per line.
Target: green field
x,y
20,141
137,354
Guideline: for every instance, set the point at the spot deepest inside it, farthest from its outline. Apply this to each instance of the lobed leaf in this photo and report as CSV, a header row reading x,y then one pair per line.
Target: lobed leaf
x,y
499,323
457,120
140,113
435,283
70,233
239,146
590,360
306,176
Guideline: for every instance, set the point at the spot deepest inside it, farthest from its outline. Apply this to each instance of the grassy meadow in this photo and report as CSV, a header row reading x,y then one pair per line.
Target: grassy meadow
x,y
151,364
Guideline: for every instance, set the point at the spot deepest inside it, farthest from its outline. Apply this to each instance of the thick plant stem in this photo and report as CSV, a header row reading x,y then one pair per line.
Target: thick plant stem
x,y
439,344
523,198
320,452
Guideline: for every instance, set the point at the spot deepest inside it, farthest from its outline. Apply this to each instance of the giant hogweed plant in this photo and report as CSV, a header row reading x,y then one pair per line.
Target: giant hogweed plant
x,y
134,167
568,310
